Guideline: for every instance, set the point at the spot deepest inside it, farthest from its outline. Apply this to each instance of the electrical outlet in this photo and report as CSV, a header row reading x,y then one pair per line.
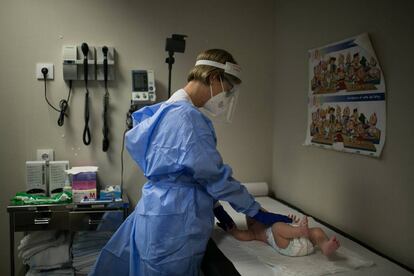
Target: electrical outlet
x,y
45,155
50,73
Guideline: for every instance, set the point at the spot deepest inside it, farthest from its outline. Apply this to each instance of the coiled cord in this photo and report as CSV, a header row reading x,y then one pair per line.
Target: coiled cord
x,y
63,104
86,131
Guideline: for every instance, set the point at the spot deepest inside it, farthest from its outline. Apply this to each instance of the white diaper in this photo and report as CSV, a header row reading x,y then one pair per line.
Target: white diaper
x,y
297,246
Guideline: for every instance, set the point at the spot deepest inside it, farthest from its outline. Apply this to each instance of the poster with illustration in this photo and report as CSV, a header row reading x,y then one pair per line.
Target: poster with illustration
x,y
346,110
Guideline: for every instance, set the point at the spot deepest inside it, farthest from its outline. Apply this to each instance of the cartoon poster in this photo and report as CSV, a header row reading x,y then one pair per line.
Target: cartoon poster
x,y
346,110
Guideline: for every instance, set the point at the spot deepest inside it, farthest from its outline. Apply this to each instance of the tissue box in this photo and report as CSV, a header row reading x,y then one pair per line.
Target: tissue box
x,y
84,186
111,193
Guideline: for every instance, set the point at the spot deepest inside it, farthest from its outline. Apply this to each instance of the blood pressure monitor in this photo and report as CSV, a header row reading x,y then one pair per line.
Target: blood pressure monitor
x,y
143,86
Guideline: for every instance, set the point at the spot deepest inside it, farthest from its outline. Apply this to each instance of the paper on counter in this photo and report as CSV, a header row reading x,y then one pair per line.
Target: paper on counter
x,y
76,170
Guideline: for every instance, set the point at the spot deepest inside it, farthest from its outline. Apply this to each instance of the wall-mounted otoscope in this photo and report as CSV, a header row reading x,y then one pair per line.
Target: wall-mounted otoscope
x,y
105,71
105,63
86,130
85,51
105,128
79,63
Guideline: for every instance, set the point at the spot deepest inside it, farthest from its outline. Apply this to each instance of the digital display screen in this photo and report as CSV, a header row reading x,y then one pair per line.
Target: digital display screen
x,y
140,81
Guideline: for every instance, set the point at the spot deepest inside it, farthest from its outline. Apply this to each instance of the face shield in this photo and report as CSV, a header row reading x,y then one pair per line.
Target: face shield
x,y
222,106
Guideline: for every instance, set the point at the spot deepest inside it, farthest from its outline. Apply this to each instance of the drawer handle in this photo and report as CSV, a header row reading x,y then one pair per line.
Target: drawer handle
x,y
95,221
39,221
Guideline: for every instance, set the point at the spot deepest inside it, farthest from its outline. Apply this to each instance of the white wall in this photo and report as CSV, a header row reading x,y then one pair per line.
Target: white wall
x,y
35,31
371,199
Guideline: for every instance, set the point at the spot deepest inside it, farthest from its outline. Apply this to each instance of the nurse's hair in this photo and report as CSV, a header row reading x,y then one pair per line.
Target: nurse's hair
x,y
204,72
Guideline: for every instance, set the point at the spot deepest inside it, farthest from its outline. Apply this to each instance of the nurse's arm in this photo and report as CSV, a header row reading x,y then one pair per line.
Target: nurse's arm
x,y
208,169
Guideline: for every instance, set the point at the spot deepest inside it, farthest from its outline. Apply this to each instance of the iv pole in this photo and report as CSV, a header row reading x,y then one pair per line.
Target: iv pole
x,y
174,44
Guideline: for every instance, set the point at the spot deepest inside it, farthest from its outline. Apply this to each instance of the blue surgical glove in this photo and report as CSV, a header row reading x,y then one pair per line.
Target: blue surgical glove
x,y
269,219
225,221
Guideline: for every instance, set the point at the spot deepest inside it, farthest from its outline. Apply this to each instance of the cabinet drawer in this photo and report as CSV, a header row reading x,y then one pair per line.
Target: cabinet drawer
x,y
41,220
95,220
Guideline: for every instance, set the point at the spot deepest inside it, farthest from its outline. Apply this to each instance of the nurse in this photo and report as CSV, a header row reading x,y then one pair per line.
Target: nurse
x,y
174,144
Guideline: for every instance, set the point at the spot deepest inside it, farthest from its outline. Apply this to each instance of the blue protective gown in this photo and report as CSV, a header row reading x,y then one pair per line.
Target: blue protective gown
x,y
174,144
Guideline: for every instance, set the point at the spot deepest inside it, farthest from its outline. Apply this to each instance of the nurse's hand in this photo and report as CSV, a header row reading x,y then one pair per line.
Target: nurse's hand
x,y
225,221
226,227
269,219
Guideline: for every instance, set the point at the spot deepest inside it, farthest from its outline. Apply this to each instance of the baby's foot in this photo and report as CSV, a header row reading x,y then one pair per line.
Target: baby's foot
x,y
330,246
303,227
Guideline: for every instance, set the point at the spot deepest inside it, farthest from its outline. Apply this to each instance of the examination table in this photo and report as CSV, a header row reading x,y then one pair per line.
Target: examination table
x,y
254,258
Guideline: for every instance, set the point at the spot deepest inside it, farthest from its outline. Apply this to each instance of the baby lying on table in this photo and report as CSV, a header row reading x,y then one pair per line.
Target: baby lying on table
x,y
288,236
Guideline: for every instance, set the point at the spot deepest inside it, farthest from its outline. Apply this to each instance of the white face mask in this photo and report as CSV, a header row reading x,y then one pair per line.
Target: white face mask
x,y
218,104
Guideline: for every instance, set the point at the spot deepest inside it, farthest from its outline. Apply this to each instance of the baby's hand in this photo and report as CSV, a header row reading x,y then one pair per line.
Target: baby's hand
x,y
294,218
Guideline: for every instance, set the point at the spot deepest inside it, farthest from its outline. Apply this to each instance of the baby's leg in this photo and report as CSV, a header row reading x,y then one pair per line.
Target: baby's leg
x,y
242,235
258,229
318,237
280,241
284,233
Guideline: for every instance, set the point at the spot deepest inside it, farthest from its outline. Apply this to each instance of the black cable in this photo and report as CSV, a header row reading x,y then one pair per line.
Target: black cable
x,y
122,161
169,80
44,79
63,104
170,60
86,130
105,128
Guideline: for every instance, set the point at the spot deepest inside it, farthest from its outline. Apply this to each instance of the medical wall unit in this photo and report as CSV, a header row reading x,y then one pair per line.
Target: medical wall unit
x,y
89,63
143,86
74,65
143,92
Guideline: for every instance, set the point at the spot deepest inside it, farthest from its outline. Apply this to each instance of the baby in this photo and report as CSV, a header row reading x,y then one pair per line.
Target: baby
x,y
290,239
295,239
